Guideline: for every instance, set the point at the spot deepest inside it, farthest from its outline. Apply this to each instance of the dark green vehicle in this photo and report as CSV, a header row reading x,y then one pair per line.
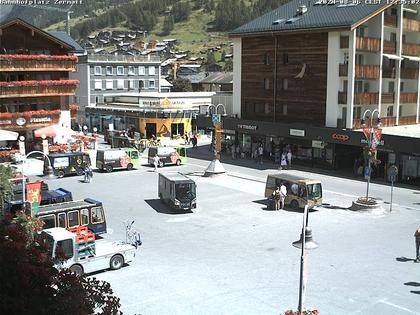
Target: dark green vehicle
x,y
63,164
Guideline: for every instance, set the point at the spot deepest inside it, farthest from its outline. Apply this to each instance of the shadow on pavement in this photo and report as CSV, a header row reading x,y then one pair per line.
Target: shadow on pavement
x,y
413,284
329,206
403,259
415,292
160,207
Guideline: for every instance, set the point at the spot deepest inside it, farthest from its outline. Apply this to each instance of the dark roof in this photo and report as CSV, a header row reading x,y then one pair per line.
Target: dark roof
x,y
30,26
63,36
219,78
318,15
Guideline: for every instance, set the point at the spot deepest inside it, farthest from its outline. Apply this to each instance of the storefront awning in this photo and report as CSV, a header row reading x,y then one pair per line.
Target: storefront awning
x,y
392,57
6,135
53,131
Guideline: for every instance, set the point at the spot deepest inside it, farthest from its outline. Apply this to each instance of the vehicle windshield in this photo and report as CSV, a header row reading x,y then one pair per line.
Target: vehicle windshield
x,y
184,191
314,191
47,241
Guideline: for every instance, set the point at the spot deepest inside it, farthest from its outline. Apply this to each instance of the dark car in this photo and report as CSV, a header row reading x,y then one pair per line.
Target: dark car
x,y
67,163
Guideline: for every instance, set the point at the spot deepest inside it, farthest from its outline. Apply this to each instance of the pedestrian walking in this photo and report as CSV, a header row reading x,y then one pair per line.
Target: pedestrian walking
x,y
260,153
417,238
88,173
283,194
156,161
283,161
233,151
289,158
277,198
194,141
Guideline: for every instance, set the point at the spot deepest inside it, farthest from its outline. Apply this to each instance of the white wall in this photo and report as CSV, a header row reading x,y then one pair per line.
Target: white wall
x,y
82,92
237,76
333,81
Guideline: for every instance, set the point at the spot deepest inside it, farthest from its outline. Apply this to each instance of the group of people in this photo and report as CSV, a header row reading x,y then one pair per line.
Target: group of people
x,y
286,160
279,195
191,138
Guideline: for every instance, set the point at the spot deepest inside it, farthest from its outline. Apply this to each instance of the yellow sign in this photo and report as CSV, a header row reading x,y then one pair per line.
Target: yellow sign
x,y
166,102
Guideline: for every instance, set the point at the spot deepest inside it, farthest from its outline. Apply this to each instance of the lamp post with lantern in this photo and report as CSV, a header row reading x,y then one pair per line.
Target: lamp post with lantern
x,y
215,167
373,136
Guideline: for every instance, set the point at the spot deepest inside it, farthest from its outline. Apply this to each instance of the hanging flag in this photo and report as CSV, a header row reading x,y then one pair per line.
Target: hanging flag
x,y
33,195
376,138
366,131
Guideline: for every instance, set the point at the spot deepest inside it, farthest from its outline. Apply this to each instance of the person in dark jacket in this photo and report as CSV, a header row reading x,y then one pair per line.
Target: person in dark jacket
x,y
417,238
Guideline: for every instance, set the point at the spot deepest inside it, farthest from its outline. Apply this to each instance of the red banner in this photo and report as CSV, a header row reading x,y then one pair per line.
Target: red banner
x,y
376,138
33,194
366,131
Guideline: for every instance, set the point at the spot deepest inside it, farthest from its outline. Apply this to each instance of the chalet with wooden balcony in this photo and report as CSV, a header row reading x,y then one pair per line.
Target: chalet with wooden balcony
x,y
314,64
34,77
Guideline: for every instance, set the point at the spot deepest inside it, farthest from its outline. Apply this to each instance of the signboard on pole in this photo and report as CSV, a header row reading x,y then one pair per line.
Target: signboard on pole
x,y
376,138
367,172
33,195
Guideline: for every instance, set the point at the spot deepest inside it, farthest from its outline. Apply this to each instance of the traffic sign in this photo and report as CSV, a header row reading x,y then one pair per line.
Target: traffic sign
x,y
392,178
393,171
367,172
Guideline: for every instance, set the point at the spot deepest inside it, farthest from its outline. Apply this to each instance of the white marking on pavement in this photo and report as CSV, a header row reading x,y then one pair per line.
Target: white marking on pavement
x,y
384,301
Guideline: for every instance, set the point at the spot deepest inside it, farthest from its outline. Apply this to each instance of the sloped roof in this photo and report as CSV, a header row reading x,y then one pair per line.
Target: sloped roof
x,y
318,15
63,36
219,78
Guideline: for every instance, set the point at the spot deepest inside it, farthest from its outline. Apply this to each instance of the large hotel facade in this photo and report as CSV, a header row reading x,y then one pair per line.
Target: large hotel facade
x,y
34,79
305,73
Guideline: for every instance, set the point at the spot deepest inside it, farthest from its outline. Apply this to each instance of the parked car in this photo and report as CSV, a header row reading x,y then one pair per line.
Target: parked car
x,y
177,191
168,155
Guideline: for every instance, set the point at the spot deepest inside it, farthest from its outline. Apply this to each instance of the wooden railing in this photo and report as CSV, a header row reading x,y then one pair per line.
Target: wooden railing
x,y
368,44
407,120
390,20
361,71
37,63
388,73
408,73
410,98
411,49
37,88
386,121
387,98
412,25
362,43
390,47
360,98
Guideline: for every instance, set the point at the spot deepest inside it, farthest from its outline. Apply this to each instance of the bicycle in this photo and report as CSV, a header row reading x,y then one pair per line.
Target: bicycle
x,y
132,236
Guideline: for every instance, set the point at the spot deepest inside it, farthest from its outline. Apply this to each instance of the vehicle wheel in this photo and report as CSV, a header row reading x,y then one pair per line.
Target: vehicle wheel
x,y
116,262
77,269
294,204
178,162
161,164
60,174
129,167
109,168
79,171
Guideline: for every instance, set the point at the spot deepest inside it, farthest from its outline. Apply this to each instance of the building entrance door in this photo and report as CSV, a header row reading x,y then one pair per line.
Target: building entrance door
x,y
150,130
177,129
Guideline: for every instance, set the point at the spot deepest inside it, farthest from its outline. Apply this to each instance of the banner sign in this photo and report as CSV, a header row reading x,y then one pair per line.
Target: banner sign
x,y
33,195
376,138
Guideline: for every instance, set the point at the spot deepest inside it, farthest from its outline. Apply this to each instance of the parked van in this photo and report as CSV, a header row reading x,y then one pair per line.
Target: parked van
x,y
67,163
168,155
301,191
87,212
177,191
108,160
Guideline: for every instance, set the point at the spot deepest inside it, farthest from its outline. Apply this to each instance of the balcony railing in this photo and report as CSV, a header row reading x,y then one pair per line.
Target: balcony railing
x,y
385,122
390,47
408,98
361,71
37,63
408,73
37,88
387,98
360,98
411,50
362,43
412,25
390,20
407,120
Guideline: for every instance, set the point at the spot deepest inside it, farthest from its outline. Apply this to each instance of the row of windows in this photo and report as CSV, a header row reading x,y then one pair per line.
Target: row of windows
x,y
74,218
357,111
265,109
284,58
121,84
121,70
285,84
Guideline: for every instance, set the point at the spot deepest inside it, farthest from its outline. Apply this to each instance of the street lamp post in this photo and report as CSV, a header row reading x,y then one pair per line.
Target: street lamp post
x,y
304,243
49,173
373,139
215,166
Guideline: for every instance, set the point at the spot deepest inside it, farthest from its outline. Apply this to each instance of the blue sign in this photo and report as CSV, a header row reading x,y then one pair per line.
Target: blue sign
x,y
216,118
368,172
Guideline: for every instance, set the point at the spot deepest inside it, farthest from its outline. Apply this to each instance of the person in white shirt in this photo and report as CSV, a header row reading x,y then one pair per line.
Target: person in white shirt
x,y
156,161
289,159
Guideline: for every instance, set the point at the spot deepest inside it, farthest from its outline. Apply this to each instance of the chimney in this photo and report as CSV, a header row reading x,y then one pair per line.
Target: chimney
x,y
302,9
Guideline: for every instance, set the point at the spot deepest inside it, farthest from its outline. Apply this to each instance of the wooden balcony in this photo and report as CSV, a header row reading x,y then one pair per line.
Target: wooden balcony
x,y
362,43
412,25
389,73
408,73
390,20
411,49
361,71
360,98
408,98
387,121
38,88
387,98
37,63
407,120
390,47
